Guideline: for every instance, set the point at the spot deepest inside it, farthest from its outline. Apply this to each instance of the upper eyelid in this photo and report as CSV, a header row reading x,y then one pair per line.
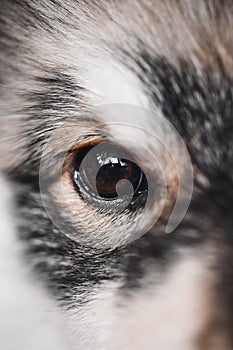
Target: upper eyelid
x,y
90,141
82,141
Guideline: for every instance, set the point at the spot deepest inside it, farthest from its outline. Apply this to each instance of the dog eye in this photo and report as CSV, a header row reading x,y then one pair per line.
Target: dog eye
x,y
109,194
112,170
102,174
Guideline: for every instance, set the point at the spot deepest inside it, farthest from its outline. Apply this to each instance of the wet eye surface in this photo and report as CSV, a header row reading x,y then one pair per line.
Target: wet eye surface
x,y
108,174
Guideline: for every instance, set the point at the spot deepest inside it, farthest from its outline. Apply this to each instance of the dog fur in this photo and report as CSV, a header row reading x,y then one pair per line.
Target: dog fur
x,y
58,62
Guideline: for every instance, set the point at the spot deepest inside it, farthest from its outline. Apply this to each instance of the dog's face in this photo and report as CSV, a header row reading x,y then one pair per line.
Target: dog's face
x,y
96,92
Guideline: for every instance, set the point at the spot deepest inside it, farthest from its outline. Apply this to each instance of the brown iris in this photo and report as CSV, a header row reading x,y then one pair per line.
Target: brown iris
x,y
111,174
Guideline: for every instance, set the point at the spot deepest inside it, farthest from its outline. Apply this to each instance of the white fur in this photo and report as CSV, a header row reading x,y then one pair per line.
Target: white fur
x,y
166,314
28,317
111,82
